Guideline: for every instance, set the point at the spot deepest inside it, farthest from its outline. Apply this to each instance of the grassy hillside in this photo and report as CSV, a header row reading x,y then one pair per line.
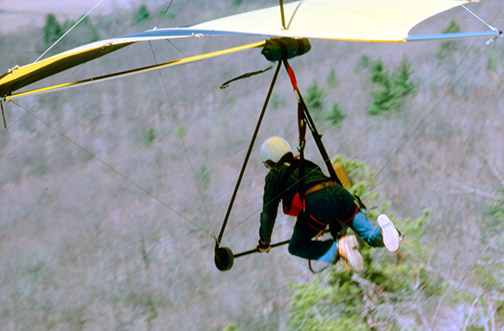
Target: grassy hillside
x,y
111,193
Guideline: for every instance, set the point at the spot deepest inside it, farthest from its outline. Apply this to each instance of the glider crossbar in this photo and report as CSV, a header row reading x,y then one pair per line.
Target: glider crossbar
x,y
132,72
247,157
458,35
3,115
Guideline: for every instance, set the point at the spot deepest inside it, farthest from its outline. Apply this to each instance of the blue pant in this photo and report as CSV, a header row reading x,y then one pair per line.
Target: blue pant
x,y
364,229
302,245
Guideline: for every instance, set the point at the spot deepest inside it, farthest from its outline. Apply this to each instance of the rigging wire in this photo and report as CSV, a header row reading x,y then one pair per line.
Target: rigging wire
x,y
186,151
110,167
63,36
41,100
479,18
412,129
165,10
215,83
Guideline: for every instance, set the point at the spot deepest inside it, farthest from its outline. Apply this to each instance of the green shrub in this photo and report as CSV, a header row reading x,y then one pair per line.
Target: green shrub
x,y
315,96
202,177
150,136
169,14
39,169
390,89
84,32
338,301
141,14
332,78
336,115
364,62
91,29
52,30
181,131
448,47
276,100
402,79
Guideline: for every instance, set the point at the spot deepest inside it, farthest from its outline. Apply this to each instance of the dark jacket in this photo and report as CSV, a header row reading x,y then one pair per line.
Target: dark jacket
x,y
281,187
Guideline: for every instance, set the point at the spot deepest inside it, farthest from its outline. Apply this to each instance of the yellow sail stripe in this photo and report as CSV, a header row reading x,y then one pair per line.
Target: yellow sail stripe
x,y
18,72
135,71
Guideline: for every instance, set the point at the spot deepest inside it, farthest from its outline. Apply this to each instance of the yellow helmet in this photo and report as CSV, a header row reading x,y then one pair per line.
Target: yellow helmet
x,y
273,149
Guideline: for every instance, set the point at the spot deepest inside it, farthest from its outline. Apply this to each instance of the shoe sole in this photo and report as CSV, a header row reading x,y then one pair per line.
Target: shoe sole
x,y
389,233
354,258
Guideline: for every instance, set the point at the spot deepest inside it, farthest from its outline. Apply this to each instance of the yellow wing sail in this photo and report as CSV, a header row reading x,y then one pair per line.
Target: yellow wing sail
x,y
357,20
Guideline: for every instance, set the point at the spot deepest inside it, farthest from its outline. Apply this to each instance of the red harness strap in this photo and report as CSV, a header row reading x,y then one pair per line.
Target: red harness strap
x,y
317,225
295,207
349,214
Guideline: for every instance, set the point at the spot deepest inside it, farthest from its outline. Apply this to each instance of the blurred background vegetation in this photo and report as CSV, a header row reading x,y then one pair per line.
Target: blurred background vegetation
x,y
111,193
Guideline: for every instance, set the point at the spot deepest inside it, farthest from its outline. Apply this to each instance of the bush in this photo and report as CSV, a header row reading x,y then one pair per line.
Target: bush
x,y
390,89
315,96
448,47
85,31
52,30
141,14
338,300
336,115
150,136
332,78
363,63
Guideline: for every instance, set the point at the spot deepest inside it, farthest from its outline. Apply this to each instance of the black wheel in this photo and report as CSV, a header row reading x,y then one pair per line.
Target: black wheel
x,y
224,258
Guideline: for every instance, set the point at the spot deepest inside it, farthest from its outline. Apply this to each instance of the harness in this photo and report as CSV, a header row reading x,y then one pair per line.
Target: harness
x,y
296,205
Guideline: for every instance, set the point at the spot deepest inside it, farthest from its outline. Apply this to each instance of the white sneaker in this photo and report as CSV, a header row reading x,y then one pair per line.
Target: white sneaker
x,y
348,250
389,232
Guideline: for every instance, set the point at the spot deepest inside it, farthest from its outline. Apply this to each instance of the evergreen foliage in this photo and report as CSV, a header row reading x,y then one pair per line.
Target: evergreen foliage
x,y
277,100
315,96
363,63
390,89
94,35
169,14
332,78
141,15
402,282
150,136
449,46
52,30
336,115
488,273
339,300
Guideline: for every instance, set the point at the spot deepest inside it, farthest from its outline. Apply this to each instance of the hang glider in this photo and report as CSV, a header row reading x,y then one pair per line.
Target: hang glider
x,y
355,20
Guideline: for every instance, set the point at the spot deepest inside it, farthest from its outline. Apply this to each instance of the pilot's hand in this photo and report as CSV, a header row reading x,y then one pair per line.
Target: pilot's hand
x,y
263,247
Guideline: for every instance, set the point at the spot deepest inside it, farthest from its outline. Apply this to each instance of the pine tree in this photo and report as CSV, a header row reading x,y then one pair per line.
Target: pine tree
x,y
52,30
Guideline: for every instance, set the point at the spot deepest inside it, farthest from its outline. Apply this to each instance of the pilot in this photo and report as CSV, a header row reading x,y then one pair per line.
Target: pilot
x,y
326,203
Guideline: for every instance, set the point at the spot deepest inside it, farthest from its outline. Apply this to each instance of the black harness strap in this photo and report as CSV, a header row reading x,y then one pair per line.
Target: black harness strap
x,y
247,75
304,119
